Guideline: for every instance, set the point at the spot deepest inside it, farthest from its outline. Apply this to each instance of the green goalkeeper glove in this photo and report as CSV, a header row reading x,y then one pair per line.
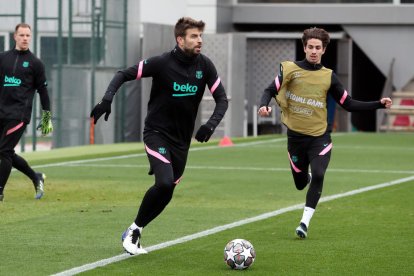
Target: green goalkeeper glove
x,y
45,124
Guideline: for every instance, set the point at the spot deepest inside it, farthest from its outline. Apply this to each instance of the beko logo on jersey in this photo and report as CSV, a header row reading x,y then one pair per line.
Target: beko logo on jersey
x,y
11,81
185,88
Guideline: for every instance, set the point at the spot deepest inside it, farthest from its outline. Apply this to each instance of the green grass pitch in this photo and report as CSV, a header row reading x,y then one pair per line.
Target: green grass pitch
x,y
93,193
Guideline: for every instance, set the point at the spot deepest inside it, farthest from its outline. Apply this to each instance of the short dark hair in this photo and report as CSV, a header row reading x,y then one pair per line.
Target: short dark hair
x,y
316,33
21,25
185,23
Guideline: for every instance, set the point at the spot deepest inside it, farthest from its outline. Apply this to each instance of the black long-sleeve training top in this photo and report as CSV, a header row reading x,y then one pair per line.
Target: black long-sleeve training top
x,y
178,84
21,74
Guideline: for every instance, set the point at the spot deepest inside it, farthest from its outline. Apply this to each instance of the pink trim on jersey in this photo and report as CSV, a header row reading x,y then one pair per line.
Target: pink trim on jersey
x,y
178,180
139,73
296,169
156,155
325,150
10,131
343,97
215,85
277,83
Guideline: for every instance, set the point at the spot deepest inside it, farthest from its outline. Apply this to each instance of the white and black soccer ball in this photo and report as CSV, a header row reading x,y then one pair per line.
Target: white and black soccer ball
x,y
239,254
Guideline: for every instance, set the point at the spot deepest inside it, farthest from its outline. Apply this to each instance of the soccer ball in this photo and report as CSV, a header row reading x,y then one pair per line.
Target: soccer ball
x,y
239,254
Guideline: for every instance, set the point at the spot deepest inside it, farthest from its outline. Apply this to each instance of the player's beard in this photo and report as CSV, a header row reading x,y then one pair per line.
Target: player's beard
x,y
192,51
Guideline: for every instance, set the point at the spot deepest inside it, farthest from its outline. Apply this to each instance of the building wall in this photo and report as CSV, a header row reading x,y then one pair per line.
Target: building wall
x,y
167,12
383,31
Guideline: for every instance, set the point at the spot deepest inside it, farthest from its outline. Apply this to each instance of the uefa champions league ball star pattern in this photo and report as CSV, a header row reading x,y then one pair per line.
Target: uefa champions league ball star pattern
x,y
239,254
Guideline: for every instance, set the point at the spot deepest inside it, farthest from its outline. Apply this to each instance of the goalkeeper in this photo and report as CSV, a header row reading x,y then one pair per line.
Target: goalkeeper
x,y
22,73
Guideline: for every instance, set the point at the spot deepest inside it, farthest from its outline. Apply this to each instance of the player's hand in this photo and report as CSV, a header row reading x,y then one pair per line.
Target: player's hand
x,y
102,107
387,102
45,125
204,133
265,111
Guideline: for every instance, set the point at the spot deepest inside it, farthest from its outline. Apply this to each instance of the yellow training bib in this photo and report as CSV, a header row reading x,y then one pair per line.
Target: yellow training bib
x,y
302,98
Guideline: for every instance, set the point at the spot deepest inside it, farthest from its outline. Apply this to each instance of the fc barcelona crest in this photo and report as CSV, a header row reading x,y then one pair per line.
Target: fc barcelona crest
x,y
199,74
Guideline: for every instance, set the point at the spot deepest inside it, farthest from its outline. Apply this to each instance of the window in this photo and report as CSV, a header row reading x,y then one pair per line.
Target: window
x,y
80,50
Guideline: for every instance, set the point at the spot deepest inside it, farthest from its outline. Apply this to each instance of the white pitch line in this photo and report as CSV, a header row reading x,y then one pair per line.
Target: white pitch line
x,y
246,144
226,168
68,163
221,228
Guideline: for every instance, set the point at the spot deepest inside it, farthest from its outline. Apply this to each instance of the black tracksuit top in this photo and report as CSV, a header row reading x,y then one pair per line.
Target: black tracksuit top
x,y
21,73
178,84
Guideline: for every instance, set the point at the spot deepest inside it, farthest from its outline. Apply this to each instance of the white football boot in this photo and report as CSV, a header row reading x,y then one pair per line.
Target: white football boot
x,y
130,242
39,185
302,231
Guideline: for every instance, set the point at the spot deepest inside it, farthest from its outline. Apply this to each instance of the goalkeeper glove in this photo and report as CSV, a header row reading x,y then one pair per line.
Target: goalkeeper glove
x,y
45,125
102,107
204,133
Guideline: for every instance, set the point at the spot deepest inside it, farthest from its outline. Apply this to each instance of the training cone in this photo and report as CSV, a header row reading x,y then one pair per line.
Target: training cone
x,y
225,142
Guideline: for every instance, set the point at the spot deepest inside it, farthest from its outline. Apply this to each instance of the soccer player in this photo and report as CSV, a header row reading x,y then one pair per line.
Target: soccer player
x,y
179,78
301,89
22,74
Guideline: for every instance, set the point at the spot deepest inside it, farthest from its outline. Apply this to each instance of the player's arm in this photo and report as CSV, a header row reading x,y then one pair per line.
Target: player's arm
x,y
342,97
217,91
45,125
44,97
144,68
269,93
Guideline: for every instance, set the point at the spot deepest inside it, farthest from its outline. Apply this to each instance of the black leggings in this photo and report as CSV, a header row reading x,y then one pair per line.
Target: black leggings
x,y
313,152
10,133
167,163
158,196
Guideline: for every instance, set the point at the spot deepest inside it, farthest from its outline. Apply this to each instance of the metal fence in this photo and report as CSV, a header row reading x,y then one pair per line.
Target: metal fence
x,y
79,41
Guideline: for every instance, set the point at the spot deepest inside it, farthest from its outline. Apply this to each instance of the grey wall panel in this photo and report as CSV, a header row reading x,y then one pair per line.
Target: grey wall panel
x,y
104,131
133,89
76,107
216,47
228,53
383,43
237,81
75,97
263,59
323,14
158,39
224,16
344,73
